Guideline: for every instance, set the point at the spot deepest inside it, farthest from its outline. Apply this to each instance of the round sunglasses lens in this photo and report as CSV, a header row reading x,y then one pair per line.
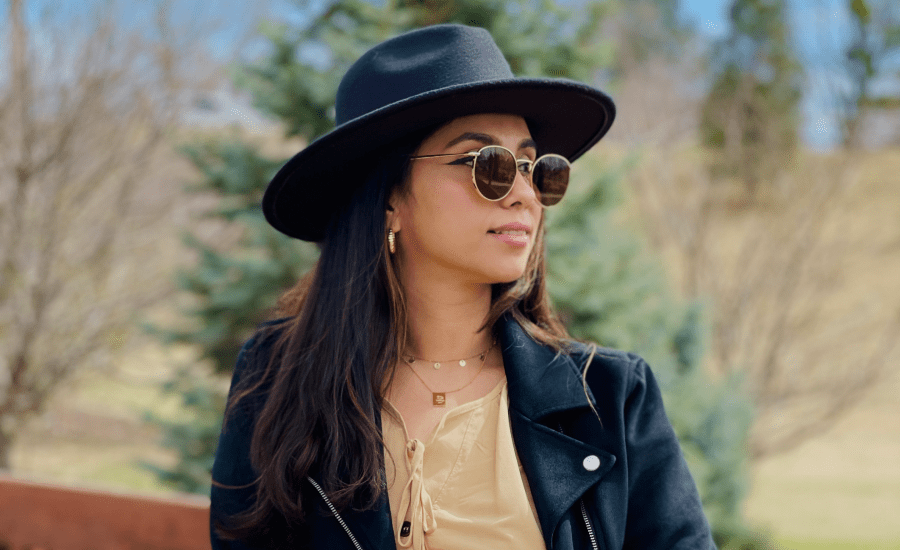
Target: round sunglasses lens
x,y
495,172
551,178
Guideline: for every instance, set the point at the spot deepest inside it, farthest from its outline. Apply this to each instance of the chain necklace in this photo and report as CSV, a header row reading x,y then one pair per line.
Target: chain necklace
x,y
439,399
462,362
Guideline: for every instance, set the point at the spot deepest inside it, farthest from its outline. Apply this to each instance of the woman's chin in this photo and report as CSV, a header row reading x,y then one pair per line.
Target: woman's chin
x,y
507,275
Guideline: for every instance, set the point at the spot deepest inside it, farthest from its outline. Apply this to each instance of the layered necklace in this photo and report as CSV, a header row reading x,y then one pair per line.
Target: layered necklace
x,y
439,398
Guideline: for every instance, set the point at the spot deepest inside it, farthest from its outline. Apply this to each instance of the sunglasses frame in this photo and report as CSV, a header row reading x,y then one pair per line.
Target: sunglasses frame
x,y
476,154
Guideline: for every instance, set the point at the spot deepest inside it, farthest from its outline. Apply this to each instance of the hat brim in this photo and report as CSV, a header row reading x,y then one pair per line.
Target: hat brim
x,y
564,117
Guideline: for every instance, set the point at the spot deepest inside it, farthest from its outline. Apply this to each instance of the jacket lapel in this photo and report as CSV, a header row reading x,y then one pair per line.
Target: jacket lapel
x,y
540,384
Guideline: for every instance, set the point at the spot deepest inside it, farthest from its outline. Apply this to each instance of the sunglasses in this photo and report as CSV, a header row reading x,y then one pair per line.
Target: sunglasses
x,y
494,170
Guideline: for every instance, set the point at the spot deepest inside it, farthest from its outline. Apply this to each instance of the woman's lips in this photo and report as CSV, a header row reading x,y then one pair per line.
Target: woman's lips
x,y
514,237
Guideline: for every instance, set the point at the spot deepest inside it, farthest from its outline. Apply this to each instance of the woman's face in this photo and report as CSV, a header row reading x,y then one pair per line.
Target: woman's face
x,y
445,228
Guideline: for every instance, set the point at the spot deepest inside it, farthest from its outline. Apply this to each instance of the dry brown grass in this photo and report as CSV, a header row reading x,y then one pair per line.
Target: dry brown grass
x,y
845,483
842,485
94,434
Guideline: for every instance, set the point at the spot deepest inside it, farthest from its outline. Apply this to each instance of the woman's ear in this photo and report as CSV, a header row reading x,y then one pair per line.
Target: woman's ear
x,y
392,214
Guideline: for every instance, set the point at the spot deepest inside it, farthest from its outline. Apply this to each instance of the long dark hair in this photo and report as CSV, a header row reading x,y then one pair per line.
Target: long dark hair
x,y
333,356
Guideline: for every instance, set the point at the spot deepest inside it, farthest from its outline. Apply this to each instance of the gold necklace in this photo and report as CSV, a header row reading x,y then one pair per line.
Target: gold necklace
x,y
439,399
410,359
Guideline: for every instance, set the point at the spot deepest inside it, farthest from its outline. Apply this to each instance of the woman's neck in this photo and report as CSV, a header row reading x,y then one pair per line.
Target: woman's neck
x,y
444,318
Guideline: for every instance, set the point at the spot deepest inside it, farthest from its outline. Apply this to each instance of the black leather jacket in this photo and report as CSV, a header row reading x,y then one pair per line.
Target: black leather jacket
x,y
641,495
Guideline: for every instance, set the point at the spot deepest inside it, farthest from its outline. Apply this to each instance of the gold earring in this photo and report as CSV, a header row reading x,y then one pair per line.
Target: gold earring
x,y
391,245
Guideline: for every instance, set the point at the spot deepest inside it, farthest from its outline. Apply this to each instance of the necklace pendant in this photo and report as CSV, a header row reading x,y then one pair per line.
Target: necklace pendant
x,y
437,365
462,362
438,399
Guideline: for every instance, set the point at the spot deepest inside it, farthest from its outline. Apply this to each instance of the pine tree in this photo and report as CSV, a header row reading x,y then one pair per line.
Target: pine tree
x,y
607,289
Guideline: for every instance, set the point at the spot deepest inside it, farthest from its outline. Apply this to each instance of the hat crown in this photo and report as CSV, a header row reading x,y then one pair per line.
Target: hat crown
x,y
418,62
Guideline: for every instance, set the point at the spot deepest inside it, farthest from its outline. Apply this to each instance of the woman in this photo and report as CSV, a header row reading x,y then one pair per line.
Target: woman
x,y
419,393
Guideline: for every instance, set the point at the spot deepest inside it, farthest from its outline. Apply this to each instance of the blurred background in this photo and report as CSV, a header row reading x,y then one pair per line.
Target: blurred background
x,y
739,227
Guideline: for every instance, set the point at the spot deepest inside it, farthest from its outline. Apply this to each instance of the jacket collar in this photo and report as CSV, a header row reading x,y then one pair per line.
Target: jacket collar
x,y
544,387
540,381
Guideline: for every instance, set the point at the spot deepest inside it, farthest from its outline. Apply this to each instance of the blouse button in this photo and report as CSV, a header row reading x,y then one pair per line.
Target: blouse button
x,y
591,463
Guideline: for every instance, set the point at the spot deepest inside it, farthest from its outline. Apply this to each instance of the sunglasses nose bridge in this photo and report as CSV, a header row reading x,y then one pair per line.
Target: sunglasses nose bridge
x,y
523,188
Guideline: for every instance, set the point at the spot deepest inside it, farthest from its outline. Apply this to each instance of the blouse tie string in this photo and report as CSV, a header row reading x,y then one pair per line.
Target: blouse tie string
x,y
415,501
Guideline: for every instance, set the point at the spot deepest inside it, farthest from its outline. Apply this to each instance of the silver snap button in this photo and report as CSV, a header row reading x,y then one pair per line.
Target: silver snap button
x,y
591,463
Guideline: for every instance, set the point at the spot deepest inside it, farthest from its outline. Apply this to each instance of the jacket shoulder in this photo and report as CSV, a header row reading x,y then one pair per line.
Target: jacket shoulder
x,y
656,491
251,366
251,379
607,368
233,475
258,347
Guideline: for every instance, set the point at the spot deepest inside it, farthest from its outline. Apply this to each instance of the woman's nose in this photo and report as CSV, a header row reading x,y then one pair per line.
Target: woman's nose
x,y
522,191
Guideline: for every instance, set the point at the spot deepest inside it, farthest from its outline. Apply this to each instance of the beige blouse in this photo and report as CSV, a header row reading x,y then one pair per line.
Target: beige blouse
x,y
464,487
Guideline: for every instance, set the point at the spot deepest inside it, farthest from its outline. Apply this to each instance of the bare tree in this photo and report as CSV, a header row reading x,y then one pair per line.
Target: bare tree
x,y
656,65
85,197
777,277
776,274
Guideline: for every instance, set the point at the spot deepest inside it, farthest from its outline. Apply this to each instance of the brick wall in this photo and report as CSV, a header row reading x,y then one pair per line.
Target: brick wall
x,y
40,516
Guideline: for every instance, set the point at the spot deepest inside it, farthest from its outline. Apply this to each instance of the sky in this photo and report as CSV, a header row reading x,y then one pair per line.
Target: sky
x,y
710,16
818,27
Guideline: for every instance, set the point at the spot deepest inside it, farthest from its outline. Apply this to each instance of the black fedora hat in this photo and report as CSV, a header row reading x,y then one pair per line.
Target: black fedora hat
x,y
418,80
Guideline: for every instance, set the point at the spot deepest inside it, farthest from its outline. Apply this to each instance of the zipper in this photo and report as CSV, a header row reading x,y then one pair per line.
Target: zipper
x,y
587,523
584,514
338,516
